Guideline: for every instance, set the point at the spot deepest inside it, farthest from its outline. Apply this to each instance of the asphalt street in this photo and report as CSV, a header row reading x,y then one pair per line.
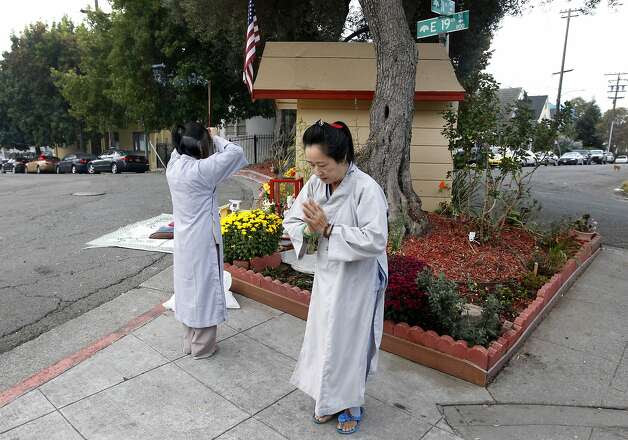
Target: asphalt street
x,y
570,191
46,275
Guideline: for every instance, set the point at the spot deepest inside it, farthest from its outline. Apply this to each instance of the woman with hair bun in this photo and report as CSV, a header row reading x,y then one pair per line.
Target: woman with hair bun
x,y
193,176
346,211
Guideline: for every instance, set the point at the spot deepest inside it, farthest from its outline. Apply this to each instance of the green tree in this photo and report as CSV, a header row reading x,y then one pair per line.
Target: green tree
x,y
35,109
586,123
620,129
88,88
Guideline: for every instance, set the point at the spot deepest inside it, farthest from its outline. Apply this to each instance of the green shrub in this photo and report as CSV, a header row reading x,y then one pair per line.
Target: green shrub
x,y
446,308
487,329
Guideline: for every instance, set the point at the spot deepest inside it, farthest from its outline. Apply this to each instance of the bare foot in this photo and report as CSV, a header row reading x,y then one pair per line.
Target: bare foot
x,y
323,419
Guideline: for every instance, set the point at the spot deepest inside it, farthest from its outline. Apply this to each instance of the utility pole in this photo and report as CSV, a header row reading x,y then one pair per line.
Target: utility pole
x,y
616,88
570,14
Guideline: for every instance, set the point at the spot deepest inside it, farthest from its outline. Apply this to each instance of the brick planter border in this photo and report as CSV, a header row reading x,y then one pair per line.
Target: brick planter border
x,y
477,364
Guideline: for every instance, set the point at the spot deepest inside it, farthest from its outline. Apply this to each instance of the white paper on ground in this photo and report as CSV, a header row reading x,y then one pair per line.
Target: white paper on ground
x,y
135,236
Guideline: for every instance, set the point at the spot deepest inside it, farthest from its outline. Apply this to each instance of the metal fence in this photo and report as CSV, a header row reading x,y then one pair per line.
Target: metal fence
x,y
258,147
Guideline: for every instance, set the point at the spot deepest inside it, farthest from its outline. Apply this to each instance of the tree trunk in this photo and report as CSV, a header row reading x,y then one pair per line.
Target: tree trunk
x,y
386,156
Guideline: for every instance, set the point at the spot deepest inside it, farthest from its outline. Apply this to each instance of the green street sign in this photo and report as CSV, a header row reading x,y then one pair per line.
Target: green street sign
x,y
443,7
442,25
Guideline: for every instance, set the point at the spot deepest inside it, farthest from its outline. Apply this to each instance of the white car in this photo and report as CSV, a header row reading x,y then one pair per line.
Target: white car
x,y
571,158
621,159
528,159
547,158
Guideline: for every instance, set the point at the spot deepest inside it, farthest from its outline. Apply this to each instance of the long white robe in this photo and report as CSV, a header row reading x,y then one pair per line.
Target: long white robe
x,y
345,319
198,261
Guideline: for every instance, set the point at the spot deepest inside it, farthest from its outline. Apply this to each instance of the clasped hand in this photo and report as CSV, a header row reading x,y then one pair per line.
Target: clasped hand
x,y
314,216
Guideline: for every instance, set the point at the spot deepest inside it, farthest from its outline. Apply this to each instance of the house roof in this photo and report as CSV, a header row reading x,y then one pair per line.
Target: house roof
x,y
339,70
537,104
509,97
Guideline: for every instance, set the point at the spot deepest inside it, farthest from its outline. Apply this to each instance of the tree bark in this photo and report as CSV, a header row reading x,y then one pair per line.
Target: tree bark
x,y
386,156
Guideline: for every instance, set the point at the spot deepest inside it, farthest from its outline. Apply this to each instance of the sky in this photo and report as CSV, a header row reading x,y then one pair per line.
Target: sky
x,y
527,48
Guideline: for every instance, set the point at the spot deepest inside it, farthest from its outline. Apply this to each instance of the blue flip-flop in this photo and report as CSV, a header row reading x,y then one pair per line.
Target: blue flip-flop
x,y
345,417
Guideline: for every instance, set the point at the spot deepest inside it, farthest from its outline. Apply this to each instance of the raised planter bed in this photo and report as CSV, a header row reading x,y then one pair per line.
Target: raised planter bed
x,y
477,364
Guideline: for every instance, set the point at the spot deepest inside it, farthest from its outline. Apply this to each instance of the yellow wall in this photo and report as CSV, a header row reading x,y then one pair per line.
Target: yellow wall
x,y
61,152
429,156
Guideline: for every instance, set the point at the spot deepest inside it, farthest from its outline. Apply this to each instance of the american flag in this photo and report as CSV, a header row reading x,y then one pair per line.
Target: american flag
x,y
252,38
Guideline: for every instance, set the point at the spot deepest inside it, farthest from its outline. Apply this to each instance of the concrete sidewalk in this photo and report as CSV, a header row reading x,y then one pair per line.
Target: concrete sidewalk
x,y
569,381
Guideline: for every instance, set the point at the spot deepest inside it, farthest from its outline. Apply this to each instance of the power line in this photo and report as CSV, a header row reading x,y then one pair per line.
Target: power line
x,y
616,88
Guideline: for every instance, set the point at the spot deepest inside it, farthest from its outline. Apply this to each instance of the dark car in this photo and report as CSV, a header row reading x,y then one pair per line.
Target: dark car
x,y
75,163
598,156
118,161
16,165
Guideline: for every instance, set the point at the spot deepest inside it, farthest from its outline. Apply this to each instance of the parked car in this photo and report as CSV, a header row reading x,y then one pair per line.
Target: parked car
x,y
75,163
118,161
586,156
621,159
547,158
497,154
571,158
43,164
528,159
15,165
597,156
609,157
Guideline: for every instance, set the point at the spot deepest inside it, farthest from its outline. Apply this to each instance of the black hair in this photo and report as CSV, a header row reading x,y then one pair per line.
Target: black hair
x,y
191,139
335,140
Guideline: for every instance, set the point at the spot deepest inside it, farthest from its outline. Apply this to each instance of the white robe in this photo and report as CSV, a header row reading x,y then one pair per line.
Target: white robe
x,y
345,319
198,261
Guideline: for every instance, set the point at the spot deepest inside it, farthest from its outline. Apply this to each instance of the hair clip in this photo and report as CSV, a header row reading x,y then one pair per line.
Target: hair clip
x,y
338,126
320,122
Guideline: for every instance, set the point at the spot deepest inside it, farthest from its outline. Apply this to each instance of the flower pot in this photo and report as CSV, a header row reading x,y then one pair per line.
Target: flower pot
x,y
243,264
582,236
258,264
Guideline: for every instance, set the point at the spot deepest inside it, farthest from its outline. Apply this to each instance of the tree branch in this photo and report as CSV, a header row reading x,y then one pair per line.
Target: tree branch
x,y
362,30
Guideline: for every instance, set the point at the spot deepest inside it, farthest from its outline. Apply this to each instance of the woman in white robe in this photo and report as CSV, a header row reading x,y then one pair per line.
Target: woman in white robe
x,y
347,211
193,176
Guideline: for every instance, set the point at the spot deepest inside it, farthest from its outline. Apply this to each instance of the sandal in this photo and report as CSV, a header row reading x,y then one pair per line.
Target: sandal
x,y
321,420
345,417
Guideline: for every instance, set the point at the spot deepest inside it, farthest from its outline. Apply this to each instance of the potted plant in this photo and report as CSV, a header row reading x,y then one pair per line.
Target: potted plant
x,y
251,239
583,229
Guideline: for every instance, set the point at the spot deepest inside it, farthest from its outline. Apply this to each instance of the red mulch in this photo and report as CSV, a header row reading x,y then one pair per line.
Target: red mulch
x,y
446,249
263,168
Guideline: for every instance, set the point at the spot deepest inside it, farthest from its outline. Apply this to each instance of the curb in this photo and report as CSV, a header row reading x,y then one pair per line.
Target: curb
x,y
60,367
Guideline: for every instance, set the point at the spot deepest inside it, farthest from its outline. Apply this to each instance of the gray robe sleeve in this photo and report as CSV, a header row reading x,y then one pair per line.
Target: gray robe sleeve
x,y
228,159
370,237
293,222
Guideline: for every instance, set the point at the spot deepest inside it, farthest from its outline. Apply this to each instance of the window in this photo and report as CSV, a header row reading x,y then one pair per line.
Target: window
x,y
237,128
139,141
